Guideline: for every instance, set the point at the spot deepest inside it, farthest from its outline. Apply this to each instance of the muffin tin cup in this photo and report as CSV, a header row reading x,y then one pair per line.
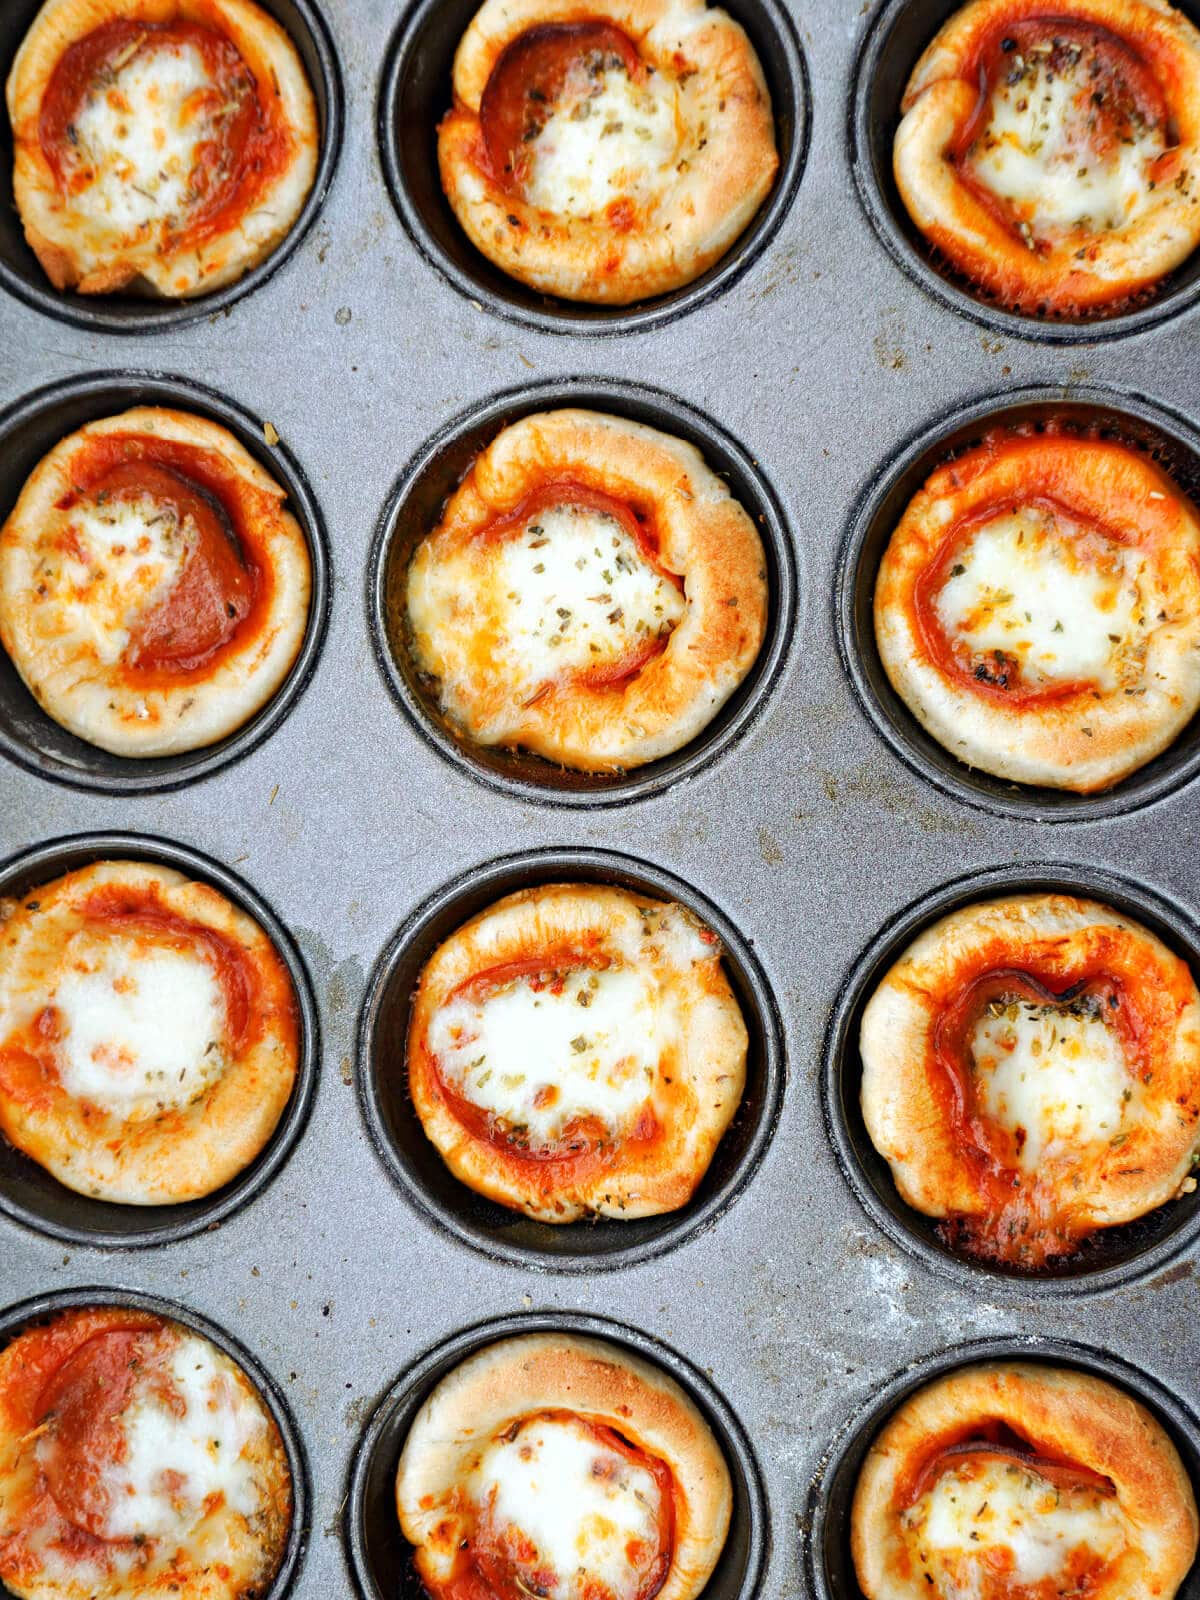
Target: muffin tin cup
x,y
414,96
29,1313
895,39
413,1161
414,509
1172,440
28,1193
826,1523
1111,1257
380,1557
20,271
28,431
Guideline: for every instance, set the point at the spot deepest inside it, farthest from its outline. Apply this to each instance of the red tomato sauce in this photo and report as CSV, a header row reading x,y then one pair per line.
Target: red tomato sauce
x,y
500,1563
998,676
223,592
230,172
585,1144
528,79
1021,1224
1118,86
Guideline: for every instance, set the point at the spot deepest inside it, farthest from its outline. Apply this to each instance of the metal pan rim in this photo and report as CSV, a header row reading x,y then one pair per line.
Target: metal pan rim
x,y
839,1048
552,864
247,1186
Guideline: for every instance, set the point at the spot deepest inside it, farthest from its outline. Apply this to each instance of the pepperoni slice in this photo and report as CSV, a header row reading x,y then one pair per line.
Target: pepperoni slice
x,y
997,1442
213,594
248,146
528,80
83,1405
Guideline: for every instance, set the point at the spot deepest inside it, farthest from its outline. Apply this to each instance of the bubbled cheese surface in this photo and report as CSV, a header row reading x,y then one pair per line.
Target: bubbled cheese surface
x,y
184,1437
995,1516
590,1512
137,137
608,138
1057,1075
1038,153
117,560
1068,608
539,1059
141,1026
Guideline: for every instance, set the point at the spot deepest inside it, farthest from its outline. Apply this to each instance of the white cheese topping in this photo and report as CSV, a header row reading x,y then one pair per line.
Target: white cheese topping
x,y
142,1025
1064,604
989,1505
608,138
186,1431
137,136
133,551
590,1512
1039,151
1058,1074
539,1060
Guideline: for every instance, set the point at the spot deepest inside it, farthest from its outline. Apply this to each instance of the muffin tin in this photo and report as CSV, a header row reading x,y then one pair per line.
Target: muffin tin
x,y
807,824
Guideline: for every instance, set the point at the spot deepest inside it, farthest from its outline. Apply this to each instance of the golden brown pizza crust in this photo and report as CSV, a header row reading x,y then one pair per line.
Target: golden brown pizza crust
x,y
723,168
596,1380
1101,1183
155,258
1062,1414
145,1157
1093,737
706,538
700,1075
60,659
1084,272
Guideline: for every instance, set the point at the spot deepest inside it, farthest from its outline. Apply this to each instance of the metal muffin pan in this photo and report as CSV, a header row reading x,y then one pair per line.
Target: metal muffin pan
x,y
411,1159
31,428
21,272
415,94
414,509
816,368
17,1320
28,1193
380,1557
899,32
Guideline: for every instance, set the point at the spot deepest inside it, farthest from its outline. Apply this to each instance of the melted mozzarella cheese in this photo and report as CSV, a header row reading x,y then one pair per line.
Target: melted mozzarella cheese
x,y
141,1026
1038,154
137,137
186,1432
540,1060
974,1513
1059,1075
113,562
607,139
591,1513
1067,608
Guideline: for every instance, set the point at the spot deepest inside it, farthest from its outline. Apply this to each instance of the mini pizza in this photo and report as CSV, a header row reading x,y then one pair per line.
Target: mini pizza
x,y
154,592
593,593
1051,154
1038,608
150,1033
1010,1481
608,155
136,1460
1031,1073
564,1467
576,1050
163,147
